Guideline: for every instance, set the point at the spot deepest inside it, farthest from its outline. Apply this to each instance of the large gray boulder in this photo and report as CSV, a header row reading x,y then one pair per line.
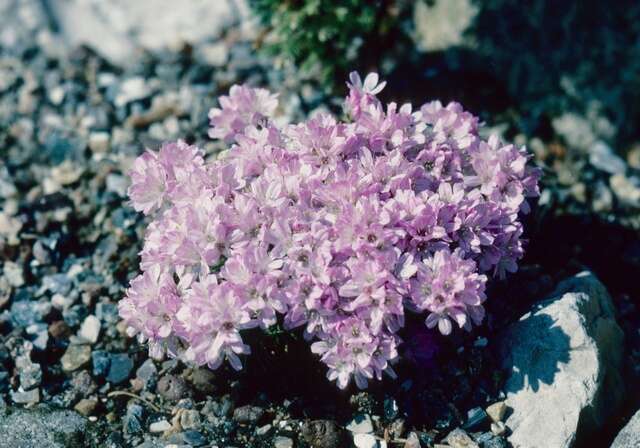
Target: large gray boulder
x,y
44,427
564,358
629,437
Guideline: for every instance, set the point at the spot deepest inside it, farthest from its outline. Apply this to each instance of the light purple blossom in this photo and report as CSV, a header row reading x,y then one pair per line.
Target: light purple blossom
x,y
336,228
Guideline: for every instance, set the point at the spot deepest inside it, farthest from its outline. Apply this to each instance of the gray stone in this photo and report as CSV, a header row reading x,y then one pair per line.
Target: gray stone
x,y
248,414
148,374
30,372
629,437
119,368
132,423
26,397
563,358
44,428
323,434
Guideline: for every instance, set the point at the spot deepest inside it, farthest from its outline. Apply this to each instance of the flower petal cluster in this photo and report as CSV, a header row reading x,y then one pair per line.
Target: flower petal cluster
x,y
336,228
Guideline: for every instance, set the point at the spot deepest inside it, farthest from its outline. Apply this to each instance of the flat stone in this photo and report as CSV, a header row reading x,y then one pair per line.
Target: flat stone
x,y
629,436
564,359
75,357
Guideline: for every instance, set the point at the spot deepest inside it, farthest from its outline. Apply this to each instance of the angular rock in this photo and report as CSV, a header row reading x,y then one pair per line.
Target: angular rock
x,y
629,437
564,359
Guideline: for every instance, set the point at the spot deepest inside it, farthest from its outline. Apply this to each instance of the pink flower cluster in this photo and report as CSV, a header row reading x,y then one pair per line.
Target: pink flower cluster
x,y
336,227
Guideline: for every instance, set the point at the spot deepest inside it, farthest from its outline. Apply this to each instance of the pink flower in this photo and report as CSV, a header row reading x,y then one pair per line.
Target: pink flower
x,y
336,228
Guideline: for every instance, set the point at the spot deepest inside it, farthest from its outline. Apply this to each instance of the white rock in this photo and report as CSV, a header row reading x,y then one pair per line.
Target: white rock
x,y
282,442
90,329
442,24
365,441
99,141
160,426
361,424
118,28
564,358
132,89
215,54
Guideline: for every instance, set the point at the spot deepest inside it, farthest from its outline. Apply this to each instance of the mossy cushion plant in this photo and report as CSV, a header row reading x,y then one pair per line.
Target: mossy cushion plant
x,y
326,39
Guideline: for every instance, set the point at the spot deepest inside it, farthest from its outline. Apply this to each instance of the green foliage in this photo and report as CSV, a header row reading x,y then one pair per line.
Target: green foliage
x,y
326,39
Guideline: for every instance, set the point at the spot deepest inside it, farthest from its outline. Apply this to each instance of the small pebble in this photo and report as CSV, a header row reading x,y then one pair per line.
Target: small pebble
x,y
190,419
498,428
75,357
458,438
194,438
412,441
248,414
160,426
361,424
282,442
261,431
119,368
365,441
496,411
99,142
172,387
86,406
90,329
475,417
31,396
323,434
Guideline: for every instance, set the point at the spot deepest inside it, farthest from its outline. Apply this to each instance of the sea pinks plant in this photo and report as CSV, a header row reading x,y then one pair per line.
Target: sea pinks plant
x,y
339,228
